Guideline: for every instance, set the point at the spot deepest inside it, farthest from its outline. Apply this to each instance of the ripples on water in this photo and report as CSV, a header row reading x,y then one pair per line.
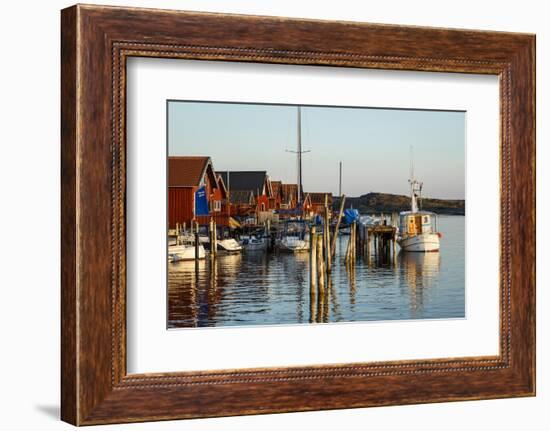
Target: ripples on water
x,y
260,288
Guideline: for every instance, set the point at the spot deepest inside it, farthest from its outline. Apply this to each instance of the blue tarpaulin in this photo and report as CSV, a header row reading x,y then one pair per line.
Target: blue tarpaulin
x,y
350,215
201,204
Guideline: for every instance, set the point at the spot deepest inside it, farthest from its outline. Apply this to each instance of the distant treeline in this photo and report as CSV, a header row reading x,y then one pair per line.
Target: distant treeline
x,y
387,203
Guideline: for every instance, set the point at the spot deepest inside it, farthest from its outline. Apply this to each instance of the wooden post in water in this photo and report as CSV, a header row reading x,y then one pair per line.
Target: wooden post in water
x,y
351,240
368,244
354,242
196,248
348,248
268,234
312,261
211,237
327,235
335,236
320,266
215,239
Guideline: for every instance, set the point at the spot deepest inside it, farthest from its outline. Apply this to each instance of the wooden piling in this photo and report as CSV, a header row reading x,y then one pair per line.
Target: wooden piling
x,y
348,248
312,261
320,266
211,237
356,237
215,239
335,236
327,235
354,242
196,248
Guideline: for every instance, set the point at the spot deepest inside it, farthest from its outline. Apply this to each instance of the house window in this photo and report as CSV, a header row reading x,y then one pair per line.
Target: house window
x,y
217,205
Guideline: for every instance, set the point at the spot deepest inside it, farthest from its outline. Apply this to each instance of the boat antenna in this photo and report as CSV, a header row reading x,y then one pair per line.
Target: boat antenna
x,y
228,191
299,153
416,186
411,161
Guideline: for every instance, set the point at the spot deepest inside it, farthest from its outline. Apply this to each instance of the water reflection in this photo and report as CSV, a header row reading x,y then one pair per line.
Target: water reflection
x,y
420,271
258,288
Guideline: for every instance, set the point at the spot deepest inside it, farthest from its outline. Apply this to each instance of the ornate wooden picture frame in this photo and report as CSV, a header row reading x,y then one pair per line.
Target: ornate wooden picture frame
x,y
96,42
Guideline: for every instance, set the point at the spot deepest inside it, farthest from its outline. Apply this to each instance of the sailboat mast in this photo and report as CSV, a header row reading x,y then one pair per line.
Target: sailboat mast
x,y
299,154
340,181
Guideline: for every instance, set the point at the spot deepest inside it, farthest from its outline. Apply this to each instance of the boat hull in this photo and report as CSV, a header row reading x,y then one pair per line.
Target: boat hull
x,y
424,242
229,246
255,245
293,246
179,253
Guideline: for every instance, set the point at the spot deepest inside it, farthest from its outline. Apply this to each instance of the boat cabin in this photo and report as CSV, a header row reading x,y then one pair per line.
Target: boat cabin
x,y
416,223
295,228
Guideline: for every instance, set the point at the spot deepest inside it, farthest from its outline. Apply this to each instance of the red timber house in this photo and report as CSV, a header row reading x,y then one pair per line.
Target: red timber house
x,y
289,196
277,199
316,202
243,203
186,176
256,182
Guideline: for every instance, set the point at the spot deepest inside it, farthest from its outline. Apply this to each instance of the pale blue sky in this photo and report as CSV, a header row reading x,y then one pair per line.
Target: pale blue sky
x,y
373,145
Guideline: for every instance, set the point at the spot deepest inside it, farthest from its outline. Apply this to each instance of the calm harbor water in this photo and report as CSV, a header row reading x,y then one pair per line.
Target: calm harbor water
x,y
260,288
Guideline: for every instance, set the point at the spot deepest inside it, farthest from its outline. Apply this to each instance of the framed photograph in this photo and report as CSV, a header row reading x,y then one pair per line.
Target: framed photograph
x,y
265,215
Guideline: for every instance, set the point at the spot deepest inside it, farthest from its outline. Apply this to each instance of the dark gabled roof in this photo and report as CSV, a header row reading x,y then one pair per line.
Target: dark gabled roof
x,y
244,180
241,197
189,171
319,198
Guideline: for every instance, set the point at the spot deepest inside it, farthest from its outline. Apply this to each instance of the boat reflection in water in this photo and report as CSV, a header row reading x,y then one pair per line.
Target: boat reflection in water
x,y
420,272
270,288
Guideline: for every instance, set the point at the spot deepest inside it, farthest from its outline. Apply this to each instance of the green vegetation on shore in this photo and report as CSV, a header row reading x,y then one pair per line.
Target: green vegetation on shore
x,y
388,203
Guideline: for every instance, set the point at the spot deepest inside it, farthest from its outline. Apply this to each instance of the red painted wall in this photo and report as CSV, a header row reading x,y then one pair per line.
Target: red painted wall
x,y
180,205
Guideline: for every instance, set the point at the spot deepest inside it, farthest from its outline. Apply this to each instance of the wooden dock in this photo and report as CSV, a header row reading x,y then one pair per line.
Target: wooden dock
x,y
378,241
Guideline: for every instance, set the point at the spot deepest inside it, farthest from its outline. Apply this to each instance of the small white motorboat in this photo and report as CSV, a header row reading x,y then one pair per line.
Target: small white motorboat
x,y
295,237
177,253
418,229
254,243
229,245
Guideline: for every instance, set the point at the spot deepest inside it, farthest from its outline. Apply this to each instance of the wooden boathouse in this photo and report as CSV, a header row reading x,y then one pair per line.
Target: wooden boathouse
x,y
188,176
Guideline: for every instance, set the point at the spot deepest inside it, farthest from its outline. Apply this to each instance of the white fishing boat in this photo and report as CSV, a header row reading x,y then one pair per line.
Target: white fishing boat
x,y
177,253
294,237
417,228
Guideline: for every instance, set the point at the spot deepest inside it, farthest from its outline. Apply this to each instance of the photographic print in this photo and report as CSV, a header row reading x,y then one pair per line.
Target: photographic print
x,y
300,214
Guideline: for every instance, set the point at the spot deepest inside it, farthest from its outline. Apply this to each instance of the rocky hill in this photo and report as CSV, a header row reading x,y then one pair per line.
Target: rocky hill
x,y
388,203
